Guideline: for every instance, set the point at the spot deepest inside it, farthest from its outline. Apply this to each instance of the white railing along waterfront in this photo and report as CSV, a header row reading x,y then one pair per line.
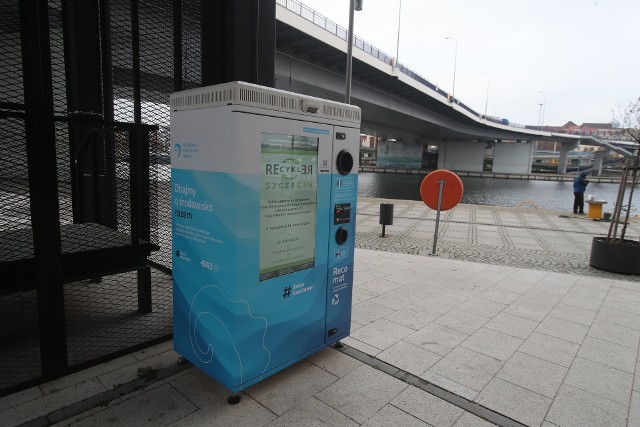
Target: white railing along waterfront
x,y
335,29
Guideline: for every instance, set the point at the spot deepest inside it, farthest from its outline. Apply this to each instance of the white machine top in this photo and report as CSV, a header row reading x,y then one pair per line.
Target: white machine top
x,y
241,93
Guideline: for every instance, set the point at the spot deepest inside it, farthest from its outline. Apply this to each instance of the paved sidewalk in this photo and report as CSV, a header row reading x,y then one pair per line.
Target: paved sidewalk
x,y
517,237
514,345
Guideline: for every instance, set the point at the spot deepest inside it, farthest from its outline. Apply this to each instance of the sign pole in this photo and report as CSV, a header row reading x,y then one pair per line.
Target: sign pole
x,y
442,182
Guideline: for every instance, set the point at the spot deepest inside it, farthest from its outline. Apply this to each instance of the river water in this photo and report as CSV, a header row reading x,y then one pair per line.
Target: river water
x,y
551,195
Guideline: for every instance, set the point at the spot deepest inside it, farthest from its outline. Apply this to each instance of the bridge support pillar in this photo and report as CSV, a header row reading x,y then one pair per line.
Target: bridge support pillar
x,y
598,159
565,147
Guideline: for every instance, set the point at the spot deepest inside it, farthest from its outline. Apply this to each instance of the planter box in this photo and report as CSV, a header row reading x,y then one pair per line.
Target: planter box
x,y
620,257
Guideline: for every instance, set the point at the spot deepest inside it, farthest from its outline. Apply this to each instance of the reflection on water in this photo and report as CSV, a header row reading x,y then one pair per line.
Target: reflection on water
x,y
551,195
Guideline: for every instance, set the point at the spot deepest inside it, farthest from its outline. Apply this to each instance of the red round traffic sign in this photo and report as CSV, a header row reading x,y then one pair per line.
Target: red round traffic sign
x,y
451,192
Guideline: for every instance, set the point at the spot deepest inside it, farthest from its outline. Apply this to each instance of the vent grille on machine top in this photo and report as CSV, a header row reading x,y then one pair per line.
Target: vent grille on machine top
x,y
241,93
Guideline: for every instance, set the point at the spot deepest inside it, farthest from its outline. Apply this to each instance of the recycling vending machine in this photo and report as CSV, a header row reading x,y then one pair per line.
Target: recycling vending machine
x,y
264,187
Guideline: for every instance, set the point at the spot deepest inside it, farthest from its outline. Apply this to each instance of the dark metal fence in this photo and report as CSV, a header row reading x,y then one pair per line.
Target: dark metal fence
x,y
85,237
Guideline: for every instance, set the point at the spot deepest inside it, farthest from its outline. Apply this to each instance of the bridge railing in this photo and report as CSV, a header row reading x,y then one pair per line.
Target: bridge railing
x,y
330,26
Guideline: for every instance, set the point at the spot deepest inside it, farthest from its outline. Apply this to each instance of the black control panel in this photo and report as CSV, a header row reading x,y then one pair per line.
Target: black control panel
x,y
342,213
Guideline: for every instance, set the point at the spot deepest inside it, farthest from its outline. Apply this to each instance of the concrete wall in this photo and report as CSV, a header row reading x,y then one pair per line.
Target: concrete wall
x,y
512,157
461,156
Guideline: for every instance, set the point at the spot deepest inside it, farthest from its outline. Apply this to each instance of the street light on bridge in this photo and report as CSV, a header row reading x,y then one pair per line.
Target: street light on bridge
x,y
398,42
486,99
541,110
455,60
353,5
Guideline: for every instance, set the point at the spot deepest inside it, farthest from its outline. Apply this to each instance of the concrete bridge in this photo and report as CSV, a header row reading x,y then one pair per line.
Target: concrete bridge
x,y
398,103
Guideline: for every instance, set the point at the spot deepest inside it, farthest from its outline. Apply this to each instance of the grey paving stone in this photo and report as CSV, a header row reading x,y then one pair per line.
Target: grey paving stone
x,y
129,373
532,373
622,305
160,406
615,333
392,416
413,317
370,275
382,333
581,301
449,385
19,398
469,420
437,338
619,317
575,407
103,368
377,286
563,329
438,303
483,307
409,357
550,348
220,414
335,362
604,381
198,387
516,402
363,347
493,343
361,393
624,294
609,354
312,413
394,299
535,309
428,408
467,367
462,321
500,295
367,312
589,291
512,325
515,285
634,410
43,405
573,314
360,294
290,387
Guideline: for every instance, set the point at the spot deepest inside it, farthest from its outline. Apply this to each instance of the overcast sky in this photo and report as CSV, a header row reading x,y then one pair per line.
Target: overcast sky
x,y
584,55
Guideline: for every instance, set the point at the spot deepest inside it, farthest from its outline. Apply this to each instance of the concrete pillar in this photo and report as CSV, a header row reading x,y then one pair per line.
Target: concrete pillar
x,y
598,159
565,147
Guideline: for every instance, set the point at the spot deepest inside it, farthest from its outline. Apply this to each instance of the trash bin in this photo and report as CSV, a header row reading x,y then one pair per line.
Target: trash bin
x,y
386,215
595,208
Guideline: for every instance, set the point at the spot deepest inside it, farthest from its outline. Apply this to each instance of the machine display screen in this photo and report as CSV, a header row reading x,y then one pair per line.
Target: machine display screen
x,y
288,201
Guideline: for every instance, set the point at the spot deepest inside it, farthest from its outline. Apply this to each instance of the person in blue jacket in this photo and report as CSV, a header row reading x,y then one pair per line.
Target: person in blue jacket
x,y
579,186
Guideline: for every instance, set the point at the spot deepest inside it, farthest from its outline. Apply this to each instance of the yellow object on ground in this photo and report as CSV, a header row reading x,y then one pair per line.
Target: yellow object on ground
x,y
595,208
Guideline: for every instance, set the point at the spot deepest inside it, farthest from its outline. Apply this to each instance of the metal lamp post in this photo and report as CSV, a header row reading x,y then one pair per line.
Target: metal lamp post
x,y
455,61
398,41
544,107
353,5
486,99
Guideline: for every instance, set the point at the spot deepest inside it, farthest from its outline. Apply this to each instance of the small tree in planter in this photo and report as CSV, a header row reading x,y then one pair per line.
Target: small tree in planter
x,y
615,252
